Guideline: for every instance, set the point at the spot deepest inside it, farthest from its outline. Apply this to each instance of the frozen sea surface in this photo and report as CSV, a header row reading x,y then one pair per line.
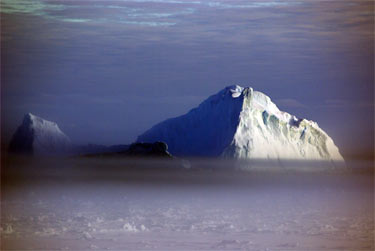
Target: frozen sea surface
x,y
96,204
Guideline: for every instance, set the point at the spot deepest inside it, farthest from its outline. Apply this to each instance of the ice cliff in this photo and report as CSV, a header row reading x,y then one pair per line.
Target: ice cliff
x,y
242,123
39,136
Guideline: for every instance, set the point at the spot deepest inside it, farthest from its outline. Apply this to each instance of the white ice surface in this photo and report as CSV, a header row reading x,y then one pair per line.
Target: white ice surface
x,y
265,132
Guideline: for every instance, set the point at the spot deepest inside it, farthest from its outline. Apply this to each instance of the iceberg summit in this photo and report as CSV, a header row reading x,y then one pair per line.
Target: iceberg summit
x,y
242,123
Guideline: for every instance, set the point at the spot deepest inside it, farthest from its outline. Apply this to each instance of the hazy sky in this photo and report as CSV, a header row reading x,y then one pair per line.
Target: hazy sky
x,y
106,71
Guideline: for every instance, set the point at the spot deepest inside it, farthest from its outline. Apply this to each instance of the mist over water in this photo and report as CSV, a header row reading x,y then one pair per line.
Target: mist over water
x,y
99,203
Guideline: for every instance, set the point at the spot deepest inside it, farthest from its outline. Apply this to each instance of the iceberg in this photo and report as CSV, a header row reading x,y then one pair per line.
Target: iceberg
x,y
241,123
39,137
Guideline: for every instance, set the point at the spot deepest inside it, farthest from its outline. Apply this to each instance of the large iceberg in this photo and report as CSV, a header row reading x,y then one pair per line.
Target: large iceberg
x,y
241,123
39,136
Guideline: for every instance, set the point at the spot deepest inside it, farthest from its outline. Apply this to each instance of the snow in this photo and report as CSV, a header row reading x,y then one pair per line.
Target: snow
x,y
239,122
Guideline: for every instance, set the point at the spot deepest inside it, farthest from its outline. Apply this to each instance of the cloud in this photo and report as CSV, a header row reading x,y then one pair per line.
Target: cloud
x,y
72,12
131,12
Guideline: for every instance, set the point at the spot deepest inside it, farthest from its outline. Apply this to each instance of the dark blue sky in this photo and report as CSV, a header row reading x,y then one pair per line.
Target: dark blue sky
x,y
106,71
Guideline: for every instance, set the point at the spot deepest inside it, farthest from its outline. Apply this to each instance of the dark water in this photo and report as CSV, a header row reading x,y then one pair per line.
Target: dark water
x,y
78,204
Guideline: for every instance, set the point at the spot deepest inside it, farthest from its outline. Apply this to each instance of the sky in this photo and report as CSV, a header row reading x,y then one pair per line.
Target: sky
x,y
106,71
